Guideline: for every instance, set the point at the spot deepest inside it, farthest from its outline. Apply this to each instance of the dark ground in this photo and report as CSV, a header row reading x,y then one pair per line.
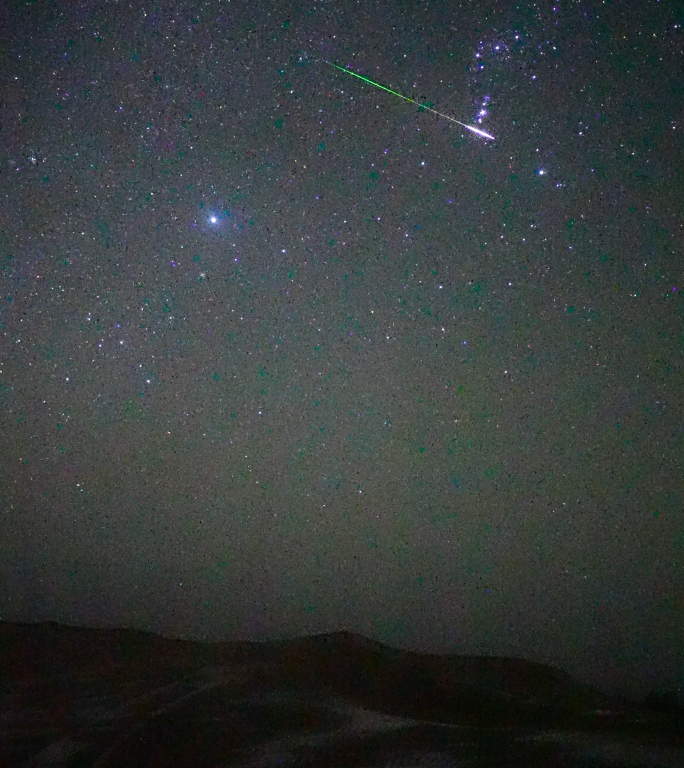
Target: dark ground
x,y
85,697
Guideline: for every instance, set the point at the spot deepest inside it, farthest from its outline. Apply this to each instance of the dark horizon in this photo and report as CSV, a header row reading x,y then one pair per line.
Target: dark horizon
x,y
594,680
78,638
74,696
283,354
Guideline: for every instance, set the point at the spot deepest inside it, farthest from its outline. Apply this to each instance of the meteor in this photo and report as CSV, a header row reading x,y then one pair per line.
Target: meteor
x,y
413,101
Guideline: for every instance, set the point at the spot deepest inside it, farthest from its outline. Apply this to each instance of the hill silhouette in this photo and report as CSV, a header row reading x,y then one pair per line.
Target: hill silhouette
x,y
456,688
116,697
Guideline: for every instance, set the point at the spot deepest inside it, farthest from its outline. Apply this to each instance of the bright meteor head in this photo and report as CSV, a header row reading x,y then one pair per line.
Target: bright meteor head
x,y
479,132
413,101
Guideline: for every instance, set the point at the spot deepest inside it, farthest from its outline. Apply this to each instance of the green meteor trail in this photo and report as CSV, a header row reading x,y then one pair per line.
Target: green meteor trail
x,y
413,101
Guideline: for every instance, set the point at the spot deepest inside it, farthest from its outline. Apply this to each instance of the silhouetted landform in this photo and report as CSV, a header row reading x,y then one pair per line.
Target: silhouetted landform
x,y
89,697
452,689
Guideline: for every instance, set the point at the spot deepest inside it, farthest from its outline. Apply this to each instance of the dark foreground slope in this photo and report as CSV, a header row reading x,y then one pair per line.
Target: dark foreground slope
x,y
84,697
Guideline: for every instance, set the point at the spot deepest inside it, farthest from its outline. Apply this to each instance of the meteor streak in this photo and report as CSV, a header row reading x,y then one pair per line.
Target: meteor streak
x,y
413,101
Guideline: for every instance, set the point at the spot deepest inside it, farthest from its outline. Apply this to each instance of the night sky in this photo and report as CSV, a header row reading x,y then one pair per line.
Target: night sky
x,y
282,353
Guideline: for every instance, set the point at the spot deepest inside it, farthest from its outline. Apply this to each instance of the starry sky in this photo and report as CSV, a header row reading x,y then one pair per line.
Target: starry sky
x,y
282,353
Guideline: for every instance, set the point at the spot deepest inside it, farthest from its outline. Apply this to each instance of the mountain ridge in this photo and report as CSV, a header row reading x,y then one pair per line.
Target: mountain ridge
x,y
80,696
347,663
